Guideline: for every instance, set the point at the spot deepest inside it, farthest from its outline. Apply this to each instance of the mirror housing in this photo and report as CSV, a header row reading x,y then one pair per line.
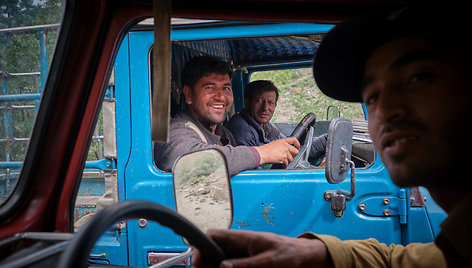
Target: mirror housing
x,y
202,189
338,150
338,164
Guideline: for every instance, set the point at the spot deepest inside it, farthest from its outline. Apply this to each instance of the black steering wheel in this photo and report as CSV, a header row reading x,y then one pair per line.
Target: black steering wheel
x,y
77,252
300,132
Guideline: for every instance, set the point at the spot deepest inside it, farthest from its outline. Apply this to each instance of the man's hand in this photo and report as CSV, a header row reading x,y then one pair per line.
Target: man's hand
x,y
279,151
257,249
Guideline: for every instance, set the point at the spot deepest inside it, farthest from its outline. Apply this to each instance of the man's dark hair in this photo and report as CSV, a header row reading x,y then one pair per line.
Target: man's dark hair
x,y
259,86
200,66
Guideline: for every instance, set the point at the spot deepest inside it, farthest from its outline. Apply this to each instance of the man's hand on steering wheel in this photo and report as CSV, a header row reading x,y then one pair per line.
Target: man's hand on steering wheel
x,y
283,151
279,151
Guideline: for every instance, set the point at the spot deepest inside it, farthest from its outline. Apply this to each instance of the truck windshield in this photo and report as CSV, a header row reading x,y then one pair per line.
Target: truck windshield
x,y
28,31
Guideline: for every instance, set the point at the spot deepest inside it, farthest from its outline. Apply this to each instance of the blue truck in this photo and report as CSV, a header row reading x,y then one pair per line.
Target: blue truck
x,y
282,201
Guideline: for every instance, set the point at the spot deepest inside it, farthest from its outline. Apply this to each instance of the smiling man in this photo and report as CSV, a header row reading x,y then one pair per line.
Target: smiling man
x,y
208,94
251,126
416,84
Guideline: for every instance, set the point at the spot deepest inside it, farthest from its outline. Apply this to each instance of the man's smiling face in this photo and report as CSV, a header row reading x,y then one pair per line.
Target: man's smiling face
x,y
210,98
416,95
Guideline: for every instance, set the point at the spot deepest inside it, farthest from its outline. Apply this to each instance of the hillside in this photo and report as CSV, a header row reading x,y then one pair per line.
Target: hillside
x,y
299,95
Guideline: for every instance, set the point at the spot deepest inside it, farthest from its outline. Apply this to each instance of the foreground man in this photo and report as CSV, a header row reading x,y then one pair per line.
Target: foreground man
x,y
208,93
416,84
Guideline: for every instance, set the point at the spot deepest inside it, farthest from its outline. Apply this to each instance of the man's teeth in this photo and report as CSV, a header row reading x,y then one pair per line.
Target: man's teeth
x,y
401,140
218,106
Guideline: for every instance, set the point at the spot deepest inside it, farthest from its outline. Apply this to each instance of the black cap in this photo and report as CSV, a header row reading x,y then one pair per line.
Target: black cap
x,y
338,65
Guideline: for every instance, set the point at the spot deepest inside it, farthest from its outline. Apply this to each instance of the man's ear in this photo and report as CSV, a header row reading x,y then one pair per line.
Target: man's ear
x,y
188,94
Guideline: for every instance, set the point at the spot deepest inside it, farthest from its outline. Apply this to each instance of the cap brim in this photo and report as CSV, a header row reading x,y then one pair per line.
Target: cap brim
x,y
339,62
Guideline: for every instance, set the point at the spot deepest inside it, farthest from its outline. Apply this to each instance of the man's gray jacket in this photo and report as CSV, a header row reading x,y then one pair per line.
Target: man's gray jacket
x,y
187,134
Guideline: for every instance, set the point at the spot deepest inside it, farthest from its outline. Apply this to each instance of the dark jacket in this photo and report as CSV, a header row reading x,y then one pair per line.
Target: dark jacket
x,y
247,131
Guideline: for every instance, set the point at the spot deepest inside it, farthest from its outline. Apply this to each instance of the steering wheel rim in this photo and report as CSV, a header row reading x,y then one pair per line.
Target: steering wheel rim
x,y
77,252
300,132
301,129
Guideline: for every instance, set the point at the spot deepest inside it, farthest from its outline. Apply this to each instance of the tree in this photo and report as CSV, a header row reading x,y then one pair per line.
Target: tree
x,y
16,13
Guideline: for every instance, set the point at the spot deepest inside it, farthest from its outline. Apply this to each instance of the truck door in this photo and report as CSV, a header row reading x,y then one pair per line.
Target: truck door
x,y
142,180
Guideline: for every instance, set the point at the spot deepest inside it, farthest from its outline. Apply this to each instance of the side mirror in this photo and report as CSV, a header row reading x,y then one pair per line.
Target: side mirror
x,y
332,112
338,150
202,189
338,164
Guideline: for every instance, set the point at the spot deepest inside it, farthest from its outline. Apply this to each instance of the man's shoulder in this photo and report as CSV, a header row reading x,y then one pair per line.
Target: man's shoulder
x,y
237,122
182,124
179,117
183,120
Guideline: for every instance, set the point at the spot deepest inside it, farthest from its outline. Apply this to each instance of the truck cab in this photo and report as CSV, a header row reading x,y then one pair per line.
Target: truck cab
x,y
113,117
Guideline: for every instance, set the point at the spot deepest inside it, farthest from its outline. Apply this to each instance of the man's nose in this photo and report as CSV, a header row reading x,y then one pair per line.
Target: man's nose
x,y
219,94
391,106
266,105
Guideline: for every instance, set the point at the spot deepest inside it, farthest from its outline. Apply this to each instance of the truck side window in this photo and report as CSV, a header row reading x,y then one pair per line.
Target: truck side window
x,y
299,95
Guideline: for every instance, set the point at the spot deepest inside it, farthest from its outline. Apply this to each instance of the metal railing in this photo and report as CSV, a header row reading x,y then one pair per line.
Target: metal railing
x,y
8,101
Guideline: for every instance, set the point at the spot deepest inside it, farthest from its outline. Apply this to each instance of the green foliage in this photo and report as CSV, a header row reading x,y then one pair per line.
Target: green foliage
x,y
95,150
18,13
299,95
20,53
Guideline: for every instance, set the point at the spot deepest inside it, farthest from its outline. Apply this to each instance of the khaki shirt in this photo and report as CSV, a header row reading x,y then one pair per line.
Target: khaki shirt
x,y
371,253
455,238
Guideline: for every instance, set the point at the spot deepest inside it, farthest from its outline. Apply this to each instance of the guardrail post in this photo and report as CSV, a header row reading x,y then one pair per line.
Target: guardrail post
x,y
43,46
7,118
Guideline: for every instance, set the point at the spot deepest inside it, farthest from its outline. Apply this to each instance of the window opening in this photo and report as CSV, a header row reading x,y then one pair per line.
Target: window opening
x,y
28,31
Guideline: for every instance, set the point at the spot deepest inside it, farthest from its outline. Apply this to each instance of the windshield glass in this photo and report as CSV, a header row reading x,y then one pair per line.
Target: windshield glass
x,y
28,31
